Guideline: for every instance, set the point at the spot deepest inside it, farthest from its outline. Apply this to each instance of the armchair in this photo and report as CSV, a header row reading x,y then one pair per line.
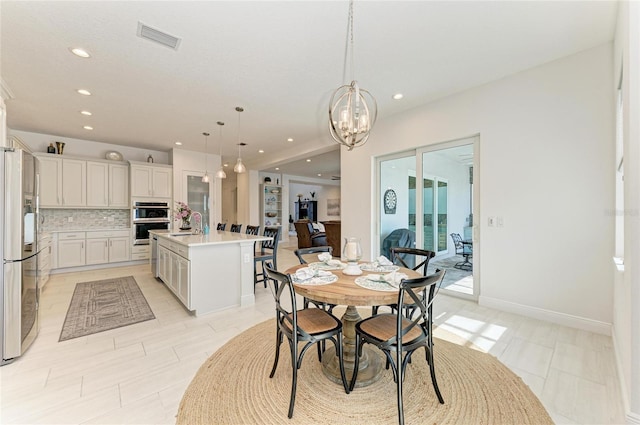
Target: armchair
x,y
308,236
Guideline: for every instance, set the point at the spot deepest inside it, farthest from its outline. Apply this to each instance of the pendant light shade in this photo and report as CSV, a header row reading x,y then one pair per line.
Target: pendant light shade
x,y
239,167
220,174
205,178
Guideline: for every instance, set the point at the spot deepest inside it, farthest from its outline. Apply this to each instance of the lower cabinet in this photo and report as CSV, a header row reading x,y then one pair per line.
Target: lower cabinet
x,y
175,270
94,247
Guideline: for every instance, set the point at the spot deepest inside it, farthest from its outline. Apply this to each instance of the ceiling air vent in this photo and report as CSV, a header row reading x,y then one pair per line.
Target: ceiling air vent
x,y
145,31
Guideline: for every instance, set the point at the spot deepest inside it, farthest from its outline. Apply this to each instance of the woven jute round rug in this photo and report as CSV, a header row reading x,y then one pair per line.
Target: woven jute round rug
x,y
233,387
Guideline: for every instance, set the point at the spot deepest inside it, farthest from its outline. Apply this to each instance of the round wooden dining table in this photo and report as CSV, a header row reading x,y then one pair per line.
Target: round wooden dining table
x,y
346,292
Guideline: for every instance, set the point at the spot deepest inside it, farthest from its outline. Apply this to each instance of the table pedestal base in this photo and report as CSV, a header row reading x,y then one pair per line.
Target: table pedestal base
x,y
371,362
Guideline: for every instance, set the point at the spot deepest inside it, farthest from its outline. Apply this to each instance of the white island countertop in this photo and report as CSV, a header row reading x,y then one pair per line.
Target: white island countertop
x,y
207,273
215,237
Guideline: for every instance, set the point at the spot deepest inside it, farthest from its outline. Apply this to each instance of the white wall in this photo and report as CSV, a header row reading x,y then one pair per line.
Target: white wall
x,y
88,148
546,165
626,304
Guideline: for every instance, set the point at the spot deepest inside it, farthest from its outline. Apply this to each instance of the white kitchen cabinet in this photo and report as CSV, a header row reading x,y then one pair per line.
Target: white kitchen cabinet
x,y
71,249
151,181
97,184
175,269
50,169
93,247
74,183
45,263
118,185
107,185
97,251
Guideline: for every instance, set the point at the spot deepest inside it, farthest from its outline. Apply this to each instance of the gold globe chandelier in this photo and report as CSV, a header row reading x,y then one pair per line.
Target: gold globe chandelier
x,y
352,110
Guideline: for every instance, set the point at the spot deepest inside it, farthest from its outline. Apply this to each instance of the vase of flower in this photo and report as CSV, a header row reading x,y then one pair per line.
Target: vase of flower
x,y
183,213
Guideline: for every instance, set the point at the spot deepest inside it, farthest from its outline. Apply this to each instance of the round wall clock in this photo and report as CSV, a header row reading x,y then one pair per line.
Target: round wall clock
x,y
390,201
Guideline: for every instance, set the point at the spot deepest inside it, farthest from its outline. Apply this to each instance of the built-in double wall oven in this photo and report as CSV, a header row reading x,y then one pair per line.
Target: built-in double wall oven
x,y
149,216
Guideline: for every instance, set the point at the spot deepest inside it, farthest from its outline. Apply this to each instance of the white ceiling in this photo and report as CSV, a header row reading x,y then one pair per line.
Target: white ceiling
x,y
280,60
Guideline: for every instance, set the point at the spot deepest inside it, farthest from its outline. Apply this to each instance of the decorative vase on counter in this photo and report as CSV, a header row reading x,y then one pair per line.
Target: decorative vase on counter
x,y
186,224
60,146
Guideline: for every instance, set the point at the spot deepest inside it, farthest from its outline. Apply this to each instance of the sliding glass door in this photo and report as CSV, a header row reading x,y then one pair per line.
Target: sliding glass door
x,y
433,192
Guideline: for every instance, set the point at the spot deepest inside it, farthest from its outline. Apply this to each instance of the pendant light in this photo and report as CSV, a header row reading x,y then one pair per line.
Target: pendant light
x,y
205,178
220,174
239,167
352,110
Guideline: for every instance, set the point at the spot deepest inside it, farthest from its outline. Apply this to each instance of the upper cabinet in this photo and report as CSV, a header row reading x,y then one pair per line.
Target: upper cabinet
x,y
72,182
151,181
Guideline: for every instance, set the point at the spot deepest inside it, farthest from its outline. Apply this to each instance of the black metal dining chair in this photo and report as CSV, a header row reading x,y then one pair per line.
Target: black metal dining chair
x,y
399,337
399,255
309,325
268,252
236,228
221,226
252,230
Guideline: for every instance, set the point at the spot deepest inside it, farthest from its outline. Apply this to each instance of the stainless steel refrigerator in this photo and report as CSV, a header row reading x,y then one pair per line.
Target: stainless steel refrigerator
x,y
19,294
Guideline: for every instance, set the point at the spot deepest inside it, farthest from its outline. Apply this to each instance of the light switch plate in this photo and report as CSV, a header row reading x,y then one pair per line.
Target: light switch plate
x,y
491,221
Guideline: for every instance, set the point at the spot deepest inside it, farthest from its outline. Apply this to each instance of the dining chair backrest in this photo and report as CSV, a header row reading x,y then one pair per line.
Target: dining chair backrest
x,y
400,254
271,244
252,230
417,293
236,228
284,295
221,226
302,252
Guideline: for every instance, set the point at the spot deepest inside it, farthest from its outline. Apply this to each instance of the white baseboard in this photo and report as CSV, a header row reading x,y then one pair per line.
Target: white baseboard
x,y
548,315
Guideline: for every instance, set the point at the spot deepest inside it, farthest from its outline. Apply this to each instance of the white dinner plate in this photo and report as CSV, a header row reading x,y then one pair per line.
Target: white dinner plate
x,y
371,267
376,285
316,280
324,266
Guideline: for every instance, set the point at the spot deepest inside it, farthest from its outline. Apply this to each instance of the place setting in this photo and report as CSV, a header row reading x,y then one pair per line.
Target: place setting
x,y
327,262
389,282
313,276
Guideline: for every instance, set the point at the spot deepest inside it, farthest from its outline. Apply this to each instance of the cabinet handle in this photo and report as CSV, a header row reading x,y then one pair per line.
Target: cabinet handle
x,y
82,246
105,244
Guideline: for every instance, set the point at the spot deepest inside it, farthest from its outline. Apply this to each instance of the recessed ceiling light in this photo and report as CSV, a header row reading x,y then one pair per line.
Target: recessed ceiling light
x,y
277,168
308,160
84,92
261,151
289,139
319,175
80,52
398,96
88,127
226,164
179,143
87,113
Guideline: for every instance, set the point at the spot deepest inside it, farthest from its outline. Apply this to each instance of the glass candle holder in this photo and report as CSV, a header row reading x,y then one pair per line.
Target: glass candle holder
x,y
352,253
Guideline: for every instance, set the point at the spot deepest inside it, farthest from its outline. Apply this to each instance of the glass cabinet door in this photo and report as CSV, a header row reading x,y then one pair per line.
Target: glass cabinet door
x,y
198,194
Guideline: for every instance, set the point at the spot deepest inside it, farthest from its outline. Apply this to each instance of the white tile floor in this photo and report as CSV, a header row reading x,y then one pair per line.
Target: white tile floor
x,y
138,373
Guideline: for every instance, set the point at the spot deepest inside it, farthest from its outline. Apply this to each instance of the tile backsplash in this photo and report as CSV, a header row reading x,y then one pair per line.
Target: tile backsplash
x,y
59,219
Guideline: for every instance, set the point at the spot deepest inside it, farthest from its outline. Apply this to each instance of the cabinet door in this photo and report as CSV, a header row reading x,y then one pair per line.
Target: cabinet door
x,y
175,272
164,264
97,184
162,182
118,185
118,249
97,251
71,253
74,183
50,170
183,281
140,181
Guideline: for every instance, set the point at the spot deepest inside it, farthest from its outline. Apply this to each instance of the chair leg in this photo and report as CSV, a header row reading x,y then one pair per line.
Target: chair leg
x,y
432,370
294,377
341,360
356,362
275,361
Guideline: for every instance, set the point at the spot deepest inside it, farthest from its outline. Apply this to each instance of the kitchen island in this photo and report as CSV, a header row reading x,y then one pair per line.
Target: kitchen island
x,y
207,273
